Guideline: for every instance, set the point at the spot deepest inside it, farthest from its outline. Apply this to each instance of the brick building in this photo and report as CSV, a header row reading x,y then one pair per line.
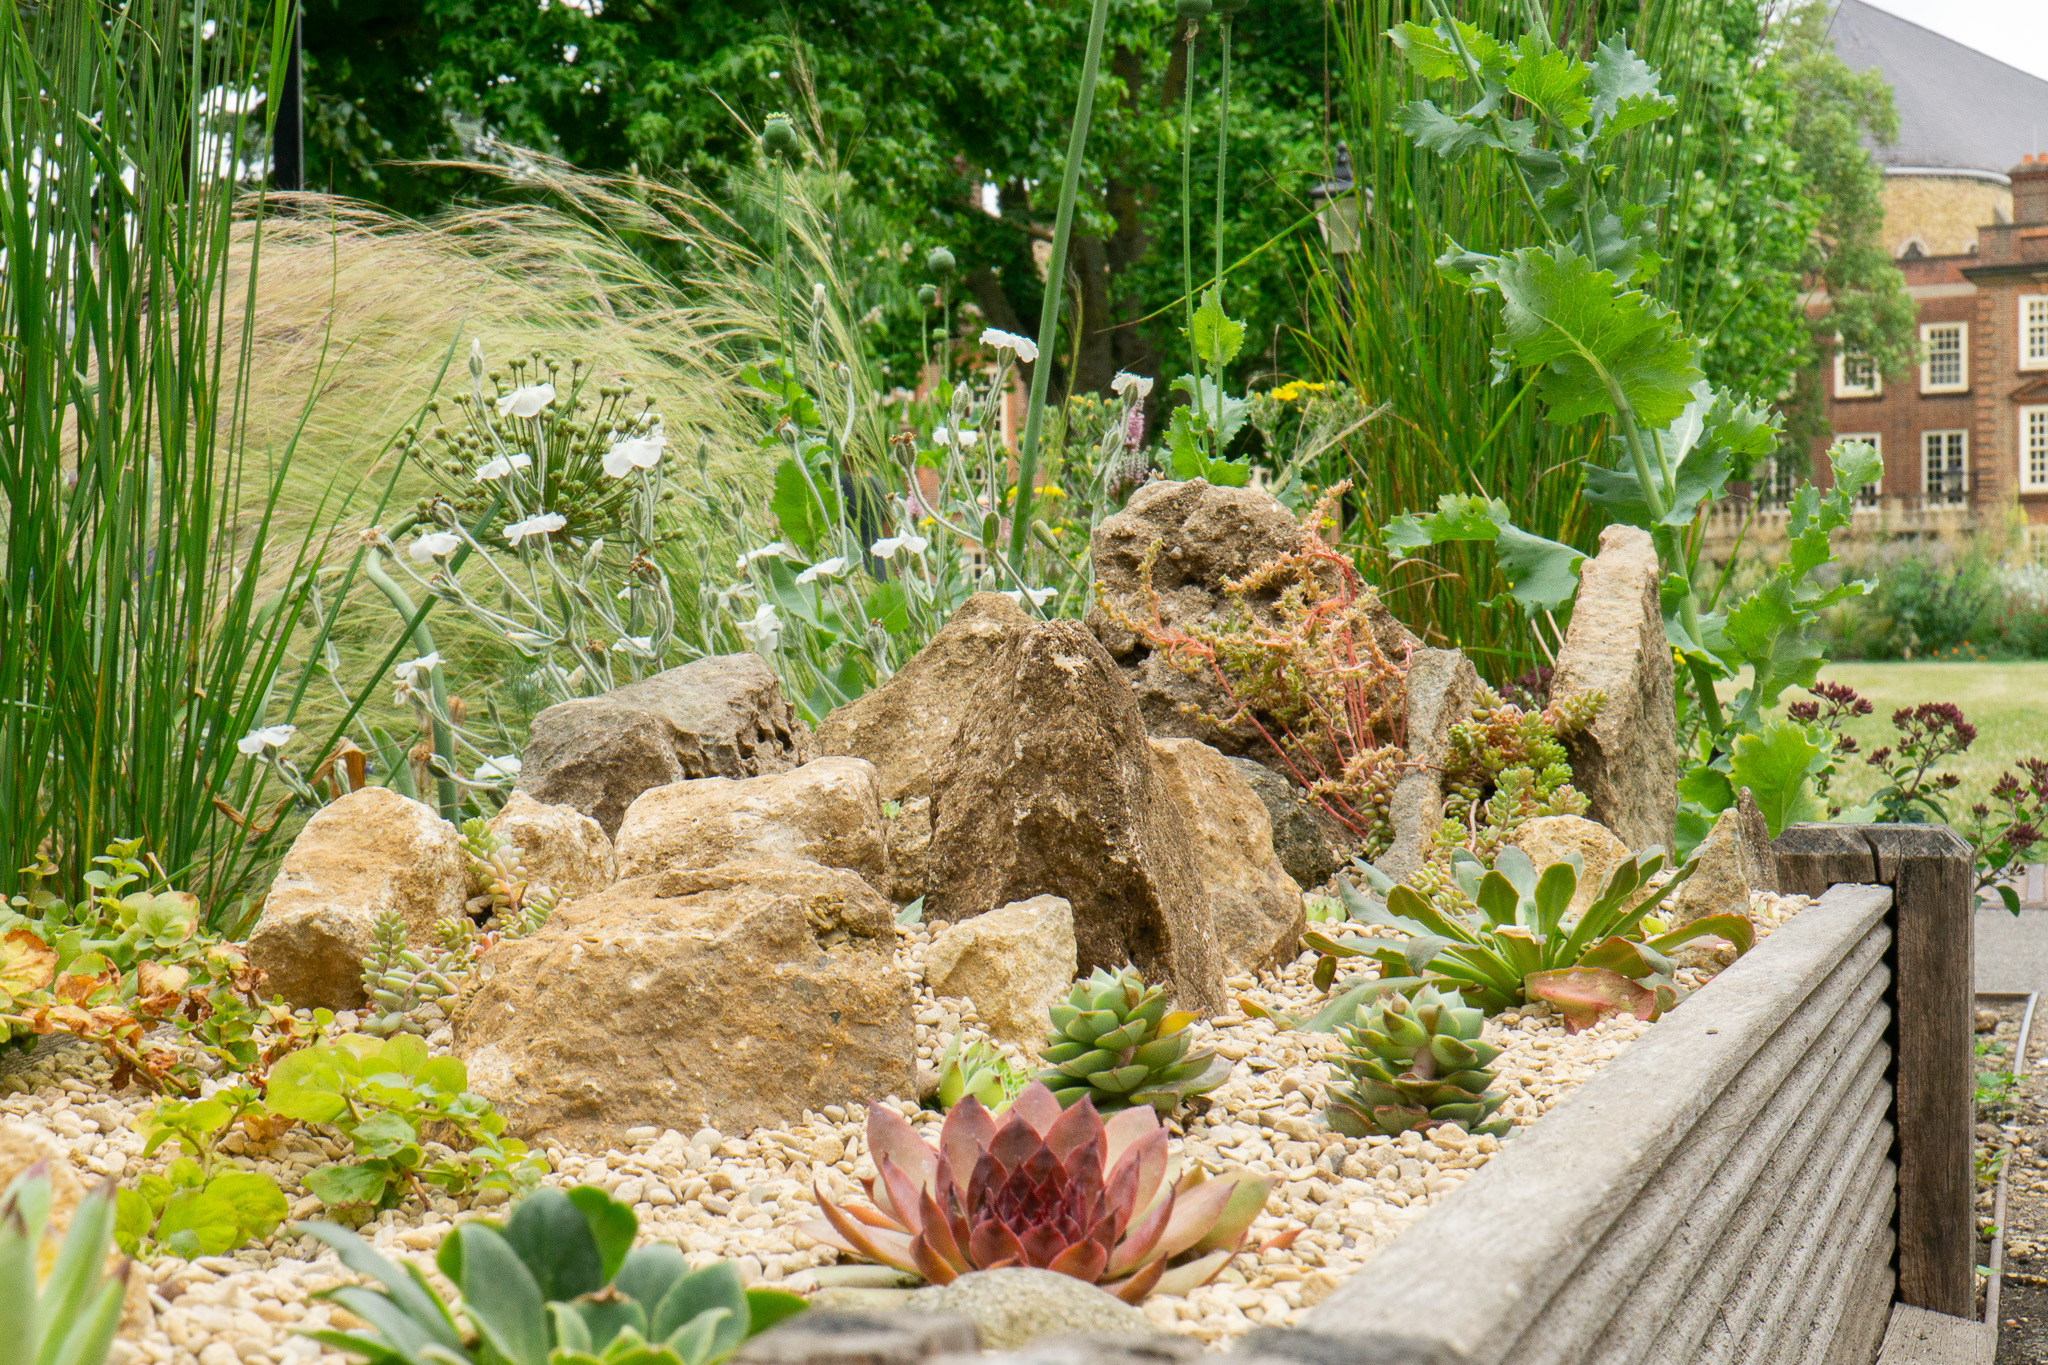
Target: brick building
x,y
1966,216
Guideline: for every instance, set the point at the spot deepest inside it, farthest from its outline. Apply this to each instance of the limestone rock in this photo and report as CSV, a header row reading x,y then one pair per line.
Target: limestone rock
x,y
1051,789
1256,907
1627,762
824,812
1439,690
1207,537
1548,839
718,717
907,836
370,851
1735,860
22,1146
1018,1304
742,994
1014,962
905,726
1309,842
559,846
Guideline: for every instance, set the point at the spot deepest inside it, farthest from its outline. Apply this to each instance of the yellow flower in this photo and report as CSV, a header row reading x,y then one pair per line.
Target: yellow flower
x,y
1287,393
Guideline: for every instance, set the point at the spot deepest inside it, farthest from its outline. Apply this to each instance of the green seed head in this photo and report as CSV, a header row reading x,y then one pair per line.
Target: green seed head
x,y
1192,11
779,138
940,262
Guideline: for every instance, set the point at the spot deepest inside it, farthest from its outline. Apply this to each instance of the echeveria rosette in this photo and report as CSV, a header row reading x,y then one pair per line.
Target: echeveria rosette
x,y
1051,1188
1414,1064
1117,1041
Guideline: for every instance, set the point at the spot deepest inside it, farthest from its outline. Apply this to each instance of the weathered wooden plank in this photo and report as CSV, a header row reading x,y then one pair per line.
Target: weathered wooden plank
x,y
1919,1337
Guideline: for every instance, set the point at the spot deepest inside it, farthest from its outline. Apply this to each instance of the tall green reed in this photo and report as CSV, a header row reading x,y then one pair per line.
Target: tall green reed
x,y
1388,323
149,618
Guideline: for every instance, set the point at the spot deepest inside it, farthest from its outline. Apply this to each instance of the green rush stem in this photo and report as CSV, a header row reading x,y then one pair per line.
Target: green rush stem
x,y
423,641
1055,284
1222,156
1187,182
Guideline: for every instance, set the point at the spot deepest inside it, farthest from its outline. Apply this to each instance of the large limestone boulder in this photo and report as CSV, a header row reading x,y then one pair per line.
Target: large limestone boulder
x,y
905,726
1207,536
1556,838
1735,861
370,851
559,846
1311,844
739,995
1256,907
1627,762
907,836
1438,692
718,717
1050,788
826,812
1012,962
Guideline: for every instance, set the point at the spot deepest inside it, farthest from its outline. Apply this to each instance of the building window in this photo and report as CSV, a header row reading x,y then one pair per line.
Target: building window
x,y
2034,331
1945,368
1944,463
1781,478
1856,376
1867,495
2034,449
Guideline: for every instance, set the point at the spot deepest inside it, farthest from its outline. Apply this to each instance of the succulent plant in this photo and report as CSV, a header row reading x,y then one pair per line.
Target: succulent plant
x,y
61,1309
978,1070
1413,1064
1057,1189
557,1284
514,903
401,981
1115,1042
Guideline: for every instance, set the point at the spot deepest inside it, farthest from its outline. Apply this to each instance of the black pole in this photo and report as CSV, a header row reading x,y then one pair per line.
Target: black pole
x,y
288,139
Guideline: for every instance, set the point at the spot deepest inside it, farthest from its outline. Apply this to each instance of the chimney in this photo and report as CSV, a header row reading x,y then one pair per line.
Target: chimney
x,y
2030,191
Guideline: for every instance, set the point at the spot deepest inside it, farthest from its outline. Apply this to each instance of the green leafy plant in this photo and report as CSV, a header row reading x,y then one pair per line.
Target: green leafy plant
x,y
1519,943
558,1283
69,1316
186,1213
503,893
384,1095
1202,429
2007,831
1114,1041
400,981
1051,1187
1413,1064
978,1070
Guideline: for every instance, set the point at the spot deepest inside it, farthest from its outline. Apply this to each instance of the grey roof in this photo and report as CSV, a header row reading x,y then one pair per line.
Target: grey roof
x,y
1958,108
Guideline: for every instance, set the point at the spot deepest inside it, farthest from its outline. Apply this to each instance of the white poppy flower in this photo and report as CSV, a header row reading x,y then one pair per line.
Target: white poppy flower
x,y
434,545
269,737
818,294
426,663
535,526
627,644
773,547
503,465
764,631
502,769
963,437
1135,387
887,548
1039,596
526,402
824,568
635,452
1025,347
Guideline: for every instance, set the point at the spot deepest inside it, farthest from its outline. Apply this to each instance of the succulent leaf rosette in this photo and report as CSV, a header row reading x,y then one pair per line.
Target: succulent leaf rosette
x,y
1117,1041
1051,1188
1414,1064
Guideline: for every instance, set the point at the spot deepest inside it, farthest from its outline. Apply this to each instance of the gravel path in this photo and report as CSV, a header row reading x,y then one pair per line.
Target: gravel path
x,y
742,1197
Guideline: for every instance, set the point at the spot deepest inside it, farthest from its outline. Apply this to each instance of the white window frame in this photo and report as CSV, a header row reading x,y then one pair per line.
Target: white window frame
x,y
1961,384
1951,441
1844,389
2033,333
1871,493
2033,448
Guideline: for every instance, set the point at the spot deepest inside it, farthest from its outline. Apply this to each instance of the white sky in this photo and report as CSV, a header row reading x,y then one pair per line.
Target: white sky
x,y
2013,31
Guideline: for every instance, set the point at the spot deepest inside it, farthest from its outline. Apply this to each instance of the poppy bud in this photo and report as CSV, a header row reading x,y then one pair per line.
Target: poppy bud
x,y
779,138
1227,10
1191,11
928,295
941,263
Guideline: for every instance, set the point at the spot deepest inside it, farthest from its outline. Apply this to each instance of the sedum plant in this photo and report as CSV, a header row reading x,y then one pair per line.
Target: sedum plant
x,y
1413,1064
1057,1189
1519,942
399,982
505,896
978,1069
559,1283
61,1309
1114,1041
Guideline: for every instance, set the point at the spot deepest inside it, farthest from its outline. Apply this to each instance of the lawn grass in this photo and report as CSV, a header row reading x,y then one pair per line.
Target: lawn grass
x,y
2007,702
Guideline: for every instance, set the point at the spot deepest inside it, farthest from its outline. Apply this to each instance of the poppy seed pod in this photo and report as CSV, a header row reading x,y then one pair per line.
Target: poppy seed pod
x,y
1191,11
928,295
779,138
1230,9
940,262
